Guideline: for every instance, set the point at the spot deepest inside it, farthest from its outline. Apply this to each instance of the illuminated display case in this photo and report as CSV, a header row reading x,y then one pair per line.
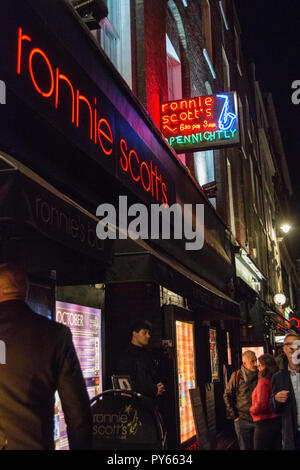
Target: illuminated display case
x,y
229,358
214,356
85,325
186,377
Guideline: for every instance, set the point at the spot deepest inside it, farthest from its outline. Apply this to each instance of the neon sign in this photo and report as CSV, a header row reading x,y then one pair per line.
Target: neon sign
x,y
85,113
205,122
296,321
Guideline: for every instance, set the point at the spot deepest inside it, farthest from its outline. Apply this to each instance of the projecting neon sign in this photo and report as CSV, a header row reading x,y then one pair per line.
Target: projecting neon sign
x,y
201,123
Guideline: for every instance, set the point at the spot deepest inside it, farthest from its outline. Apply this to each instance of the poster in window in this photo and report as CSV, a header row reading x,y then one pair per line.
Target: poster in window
x,y
229,360
85,325
186,377
214,357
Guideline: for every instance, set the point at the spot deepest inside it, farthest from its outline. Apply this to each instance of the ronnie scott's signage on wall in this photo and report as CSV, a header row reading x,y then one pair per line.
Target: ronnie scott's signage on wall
x,y
44,79
204,122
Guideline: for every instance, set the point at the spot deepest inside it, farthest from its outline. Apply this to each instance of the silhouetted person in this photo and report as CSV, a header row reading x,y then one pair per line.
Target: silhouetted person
x,y
267,431
137,362
237,397
40,359
286,393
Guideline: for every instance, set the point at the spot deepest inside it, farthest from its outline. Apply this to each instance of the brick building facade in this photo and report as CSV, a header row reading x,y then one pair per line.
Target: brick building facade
x,y
130,58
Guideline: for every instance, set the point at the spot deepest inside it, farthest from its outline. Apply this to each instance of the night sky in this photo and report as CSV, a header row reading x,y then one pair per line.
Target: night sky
x,y
271,38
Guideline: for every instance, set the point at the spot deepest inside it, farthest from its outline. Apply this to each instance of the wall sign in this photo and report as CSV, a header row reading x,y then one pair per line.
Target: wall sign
x,y
205,122
43,79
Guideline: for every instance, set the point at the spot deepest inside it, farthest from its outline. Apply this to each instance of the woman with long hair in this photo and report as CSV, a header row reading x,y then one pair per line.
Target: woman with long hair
x,y
267,432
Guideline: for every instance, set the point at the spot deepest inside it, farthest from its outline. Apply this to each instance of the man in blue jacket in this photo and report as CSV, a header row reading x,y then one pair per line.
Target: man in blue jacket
x,y
286,393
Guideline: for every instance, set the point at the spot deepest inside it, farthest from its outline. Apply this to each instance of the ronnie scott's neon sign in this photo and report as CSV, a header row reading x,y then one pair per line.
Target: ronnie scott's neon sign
x,y
200,123
52,84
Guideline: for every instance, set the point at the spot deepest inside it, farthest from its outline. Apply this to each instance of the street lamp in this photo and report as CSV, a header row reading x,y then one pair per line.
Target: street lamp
x,y
279,299
285,228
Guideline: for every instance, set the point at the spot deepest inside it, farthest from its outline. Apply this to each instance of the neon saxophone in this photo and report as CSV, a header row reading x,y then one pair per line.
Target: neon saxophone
x,y
226,119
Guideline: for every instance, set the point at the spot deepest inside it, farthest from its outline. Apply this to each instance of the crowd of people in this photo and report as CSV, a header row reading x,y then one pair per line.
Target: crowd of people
x,y
263,399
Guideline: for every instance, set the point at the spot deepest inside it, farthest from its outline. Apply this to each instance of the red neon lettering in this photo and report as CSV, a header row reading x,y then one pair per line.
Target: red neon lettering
x,y
166,119
60,76
164,106
83,98
95,121
165,199
122,143
132,152
32,53
174,118
183,116
108,136
170,129
174,106
22,37
192,102
296,319
154,173
208,101
183,104
144,164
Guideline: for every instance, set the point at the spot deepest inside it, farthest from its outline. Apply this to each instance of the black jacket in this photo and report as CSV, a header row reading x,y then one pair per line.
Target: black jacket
x,y
282,381
137,362
40,359
238,394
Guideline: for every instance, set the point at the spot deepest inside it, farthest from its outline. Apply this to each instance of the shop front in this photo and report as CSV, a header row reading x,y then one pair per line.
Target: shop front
x,y
194,337
73,136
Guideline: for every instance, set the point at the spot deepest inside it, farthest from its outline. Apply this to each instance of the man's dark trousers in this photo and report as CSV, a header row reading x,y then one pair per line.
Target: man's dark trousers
x,y
245,431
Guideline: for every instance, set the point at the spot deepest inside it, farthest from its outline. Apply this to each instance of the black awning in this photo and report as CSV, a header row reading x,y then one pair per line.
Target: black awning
x,y
147,265
30,210
244,291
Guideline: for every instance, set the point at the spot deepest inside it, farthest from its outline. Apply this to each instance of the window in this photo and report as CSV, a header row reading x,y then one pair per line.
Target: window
x,y
237,51
223,15
252,182
242,127
248,123
174,72
174,80
206,24
226,71
208,88
230,194
115,37
258,196
204,167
